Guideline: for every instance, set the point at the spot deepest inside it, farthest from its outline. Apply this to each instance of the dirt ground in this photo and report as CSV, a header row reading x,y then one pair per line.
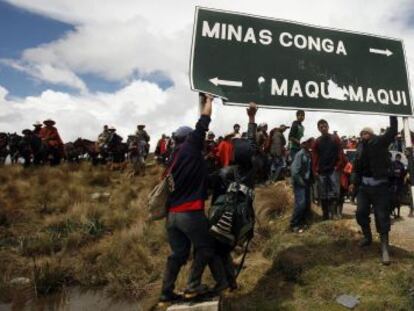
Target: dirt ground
x,y
402,229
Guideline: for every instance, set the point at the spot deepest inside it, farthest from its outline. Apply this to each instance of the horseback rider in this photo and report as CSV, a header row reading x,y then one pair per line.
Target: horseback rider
x,y
103,137
51,139
37,127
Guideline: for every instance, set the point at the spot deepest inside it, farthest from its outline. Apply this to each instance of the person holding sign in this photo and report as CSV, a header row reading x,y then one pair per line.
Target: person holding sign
x,y
371,175
187,225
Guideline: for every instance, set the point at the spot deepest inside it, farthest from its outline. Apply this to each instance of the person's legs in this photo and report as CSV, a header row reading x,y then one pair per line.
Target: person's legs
x,y
180,246
300,206
195,225
335,193
308,212
362,214
381,199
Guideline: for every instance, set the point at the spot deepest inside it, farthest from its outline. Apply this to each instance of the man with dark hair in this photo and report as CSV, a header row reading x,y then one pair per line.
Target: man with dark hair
x,y
296,133
301,171
327,162
371,175
236,131
187,224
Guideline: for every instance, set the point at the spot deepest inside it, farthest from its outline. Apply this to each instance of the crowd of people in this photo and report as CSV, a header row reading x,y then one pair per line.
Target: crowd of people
x,y
326,170
43,145
320,169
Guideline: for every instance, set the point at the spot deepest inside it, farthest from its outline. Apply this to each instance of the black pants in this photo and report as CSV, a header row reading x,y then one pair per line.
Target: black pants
x,y
379,197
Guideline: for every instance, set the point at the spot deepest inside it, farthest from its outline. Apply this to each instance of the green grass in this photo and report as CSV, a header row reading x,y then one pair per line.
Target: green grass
x,y
53,232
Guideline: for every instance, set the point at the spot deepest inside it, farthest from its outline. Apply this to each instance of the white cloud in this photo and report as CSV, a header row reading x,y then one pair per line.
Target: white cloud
x,y
47,72
116,39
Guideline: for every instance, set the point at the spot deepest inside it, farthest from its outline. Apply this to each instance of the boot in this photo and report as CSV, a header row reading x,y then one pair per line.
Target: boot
x,y
325,210
367,239
218,272
332,210
170,276
384,249
340,208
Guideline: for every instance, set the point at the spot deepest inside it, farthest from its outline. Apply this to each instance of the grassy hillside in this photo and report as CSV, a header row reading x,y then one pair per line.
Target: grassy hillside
x,y
83,225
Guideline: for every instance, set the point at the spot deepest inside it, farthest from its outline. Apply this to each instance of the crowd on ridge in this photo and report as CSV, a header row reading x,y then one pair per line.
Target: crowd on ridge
x,y
230,167
326,169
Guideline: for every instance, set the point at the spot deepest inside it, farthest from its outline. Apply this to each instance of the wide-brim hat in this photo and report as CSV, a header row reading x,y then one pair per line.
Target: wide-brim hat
x,y
141,125
26,131
111,128
37,123
49,121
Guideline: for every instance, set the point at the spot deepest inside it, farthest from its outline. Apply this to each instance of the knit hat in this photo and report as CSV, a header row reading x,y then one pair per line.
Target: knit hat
x,y
182,132
367,130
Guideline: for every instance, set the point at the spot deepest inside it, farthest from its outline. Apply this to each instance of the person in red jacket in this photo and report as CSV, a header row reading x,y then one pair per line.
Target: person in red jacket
x,y
51,139
327,159
161,149
225,151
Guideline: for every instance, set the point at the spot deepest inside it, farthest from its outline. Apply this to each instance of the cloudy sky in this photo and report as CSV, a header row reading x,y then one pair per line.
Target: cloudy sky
x,y
86,63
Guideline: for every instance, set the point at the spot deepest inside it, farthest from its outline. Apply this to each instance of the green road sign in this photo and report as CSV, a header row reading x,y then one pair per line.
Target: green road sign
x,y
283,64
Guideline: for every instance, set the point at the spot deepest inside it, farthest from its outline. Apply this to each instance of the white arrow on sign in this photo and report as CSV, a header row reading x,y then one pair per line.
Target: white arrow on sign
x,y
382,52
216,81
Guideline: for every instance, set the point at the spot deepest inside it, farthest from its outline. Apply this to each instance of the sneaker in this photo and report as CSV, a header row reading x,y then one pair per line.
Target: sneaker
x,y
297,229
199,290
167,297
218,288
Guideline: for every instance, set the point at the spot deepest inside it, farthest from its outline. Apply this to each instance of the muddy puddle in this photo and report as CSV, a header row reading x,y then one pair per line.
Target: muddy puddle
x,y
70,299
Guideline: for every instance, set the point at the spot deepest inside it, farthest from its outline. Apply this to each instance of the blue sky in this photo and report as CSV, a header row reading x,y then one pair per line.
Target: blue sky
x,y
21,29
86,63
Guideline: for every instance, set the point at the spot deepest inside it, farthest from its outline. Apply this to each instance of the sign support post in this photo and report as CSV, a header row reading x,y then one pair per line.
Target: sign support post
x,y
409,148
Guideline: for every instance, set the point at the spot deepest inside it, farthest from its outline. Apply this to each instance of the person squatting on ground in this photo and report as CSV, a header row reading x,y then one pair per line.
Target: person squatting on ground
x,y
327,164
296,133
187,224
301,173
371,175
242,171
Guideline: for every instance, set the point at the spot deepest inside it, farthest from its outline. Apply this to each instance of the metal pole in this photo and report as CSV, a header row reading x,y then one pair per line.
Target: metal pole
x,y
409,148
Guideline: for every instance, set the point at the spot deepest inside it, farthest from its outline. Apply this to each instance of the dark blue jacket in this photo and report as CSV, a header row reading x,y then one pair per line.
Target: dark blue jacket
x,y
190,169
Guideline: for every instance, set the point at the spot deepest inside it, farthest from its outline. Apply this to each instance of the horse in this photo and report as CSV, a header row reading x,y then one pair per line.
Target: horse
x,y
86,147
14,141
4,148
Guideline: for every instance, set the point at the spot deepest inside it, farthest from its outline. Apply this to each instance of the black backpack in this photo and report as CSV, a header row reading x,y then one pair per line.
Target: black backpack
x,y
232,215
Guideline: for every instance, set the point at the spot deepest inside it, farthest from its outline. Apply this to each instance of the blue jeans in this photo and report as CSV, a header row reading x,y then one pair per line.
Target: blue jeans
x,y
302,205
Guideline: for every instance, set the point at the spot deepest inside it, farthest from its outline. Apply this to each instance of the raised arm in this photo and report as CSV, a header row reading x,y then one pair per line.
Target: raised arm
x,y
252,126
197,137
391,132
